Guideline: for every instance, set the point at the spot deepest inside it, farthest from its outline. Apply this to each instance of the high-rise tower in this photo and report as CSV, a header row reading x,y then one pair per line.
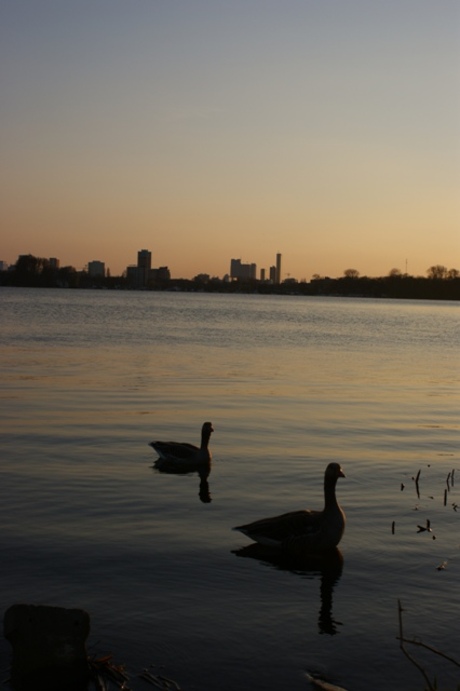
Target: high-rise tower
x,y
144,259
144,264
278,269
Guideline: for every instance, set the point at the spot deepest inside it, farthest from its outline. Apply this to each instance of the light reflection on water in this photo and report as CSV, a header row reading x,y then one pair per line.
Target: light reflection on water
x,y
89,378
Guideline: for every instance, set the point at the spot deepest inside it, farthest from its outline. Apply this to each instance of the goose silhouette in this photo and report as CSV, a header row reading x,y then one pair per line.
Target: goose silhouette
x,y
304,531
183,455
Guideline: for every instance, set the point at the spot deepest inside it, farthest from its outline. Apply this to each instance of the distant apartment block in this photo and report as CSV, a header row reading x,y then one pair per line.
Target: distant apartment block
x,y
54,263
160,275
240,271
138,276
3,266
96,269
142,275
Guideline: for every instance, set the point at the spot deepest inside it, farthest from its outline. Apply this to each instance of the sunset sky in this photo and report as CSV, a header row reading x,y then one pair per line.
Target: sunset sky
x,y
205,130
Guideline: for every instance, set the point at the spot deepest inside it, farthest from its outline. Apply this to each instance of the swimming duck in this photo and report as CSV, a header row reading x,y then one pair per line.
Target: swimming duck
x,y
183,453
304,531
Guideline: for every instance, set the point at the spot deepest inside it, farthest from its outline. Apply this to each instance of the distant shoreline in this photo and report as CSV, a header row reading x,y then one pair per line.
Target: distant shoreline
x,y
403,288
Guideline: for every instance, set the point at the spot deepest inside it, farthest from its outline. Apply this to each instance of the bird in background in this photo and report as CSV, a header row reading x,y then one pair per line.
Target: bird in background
x,y
183,453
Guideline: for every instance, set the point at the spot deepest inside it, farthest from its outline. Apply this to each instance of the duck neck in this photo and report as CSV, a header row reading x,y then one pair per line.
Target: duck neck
x,y
330,500
205,439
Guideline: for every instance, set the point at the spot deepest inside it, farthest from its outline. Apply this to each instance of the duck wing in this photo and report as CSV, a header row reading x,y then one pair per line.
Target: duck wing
x,y
174,449
275,531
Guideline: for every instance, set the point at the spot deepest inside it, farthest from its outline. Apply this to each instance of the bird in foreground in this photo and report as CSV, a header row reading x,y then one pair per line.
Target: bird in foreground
x,y
185,454
305,531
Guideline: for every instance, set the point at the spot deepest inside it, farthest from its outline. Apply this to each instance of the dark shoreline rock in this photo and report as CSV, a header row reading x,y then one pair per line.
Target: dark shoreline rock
x,y
48,645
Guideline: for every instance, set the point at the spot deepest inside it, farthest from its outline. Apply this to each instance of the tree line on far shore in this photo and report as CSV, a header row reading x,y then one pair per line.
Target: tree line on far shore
x,y
440,283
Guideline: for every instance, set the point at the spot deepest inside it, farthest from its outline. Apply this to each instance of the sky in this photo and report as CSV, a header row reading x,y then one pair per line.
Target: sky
x,y
206,130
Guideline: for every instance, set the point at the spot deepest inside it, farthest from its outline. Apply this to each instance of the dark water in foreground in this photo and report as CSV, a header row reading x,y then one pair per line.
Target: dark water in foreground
x,y
89,378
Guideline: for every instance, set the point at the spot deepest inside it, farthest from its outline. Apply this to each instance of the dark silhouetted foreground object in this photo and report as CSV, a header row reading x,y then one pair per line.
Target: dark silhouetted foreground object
x,y
181,454
300,532
48,647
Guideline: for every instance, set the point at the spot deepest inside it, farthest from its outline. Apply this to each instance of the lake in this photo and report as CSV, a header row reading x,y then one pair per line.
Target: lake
x,y
89,378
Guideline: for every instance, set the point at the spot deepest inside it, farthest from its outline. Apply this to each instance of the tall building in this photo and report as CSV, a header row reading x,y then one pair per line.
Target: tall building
x,y
144,259
242,271
278,269
144,264
143,276
96,268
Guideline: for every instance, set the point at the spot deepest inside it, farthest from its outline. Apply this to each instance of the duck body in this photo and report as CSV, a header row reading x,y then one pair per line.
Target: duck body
x,y
304,531
181,454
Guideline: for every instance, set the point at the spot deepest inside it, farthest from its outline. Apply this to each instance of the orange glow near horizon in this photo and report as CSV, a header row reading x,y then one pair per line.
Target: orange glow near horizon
x,y
207,135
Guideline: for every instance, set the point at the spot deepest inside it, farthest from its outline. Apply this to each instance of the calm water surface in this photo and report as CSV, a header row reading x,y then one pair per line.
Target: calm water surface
x,y
89,378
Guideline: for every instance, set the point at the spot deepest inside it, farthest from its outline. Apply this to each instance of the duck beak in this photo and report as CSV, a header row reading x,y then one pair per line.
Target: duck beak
x,y
341,473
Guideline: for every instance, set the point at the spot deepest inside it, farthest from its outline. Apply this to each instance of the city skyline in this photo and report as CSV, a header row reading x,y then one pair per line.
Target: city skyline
x,y
331,130
142,271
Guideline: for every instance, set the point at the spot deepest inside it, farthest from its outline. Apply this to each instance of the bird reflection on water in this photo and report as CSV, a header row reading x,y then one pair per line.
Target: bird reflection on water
x,y
328,566
203,470
180,458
